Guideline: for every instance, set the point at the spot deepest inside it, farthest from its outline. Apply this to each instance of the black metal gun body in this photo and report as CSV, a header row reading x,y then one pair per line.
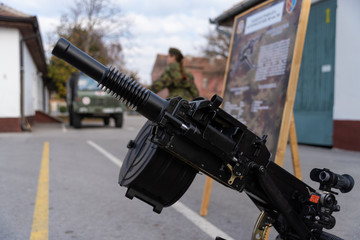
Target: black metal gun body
x,y
184,137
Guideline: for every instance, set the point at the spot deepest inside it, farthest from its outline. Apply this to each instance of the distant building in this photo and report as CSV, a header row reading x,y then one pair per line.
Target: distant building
x,y
23,89
208,73
326,109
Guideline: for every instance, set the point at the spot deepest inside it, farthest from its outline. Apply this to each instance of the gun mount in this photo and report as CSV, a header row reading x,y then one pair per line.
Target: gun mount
x,y
184,137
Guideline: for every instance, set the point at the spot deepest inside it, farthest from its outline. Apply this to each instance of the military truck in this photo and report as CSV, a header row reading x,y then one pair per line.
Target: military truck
x,y
85,100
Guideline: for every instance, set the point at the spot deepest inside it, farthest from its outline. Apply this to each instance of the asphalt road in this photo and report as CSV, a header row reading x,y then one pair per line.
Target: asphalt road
x,y
86,202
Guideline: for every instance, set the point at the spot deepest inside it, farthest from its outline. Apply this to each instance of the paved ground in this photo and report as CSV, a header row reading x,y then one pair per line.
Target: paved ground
x,y
85,201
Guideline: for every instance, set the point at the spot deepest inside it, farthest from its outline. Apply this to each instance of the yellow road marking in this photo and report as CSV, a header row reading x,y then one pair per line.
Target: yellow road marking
x,y
40,225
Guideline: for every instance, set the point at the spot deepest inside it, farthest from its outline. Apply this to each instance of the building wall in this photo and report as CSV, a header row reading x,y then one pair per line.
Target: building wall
x,y
347,59
10,77
34,92
347,76
33,85
198,78
9,73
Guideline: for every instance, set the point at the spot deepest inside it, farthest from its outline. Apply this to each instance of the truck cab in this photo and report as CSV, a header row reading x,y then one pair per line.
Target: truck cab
x,y
86,100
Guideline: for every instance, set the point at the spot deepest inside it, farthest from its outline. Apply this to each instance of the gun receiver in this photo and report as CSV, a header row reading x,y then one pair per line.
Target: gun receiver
x,y
184,137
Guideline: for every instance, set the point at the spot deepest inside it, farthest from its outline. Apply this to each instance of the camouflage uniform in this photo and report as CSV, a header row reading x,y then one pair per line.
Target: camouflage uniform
x,y
172,80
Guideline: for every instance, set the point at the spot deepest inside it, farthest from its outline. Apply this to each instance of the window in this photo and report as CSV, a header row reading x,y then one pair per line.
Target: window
x,y
87,83
205,83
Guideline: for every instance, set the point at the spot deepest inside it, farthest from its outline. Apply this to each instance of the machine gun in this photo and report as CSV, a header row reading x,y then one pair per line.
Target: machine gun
x,y
184,137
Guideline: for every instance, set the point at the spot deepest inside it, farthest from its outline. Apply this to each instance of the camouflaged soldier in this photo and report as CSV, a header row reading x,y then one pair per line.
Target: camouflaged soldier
x,y
175,78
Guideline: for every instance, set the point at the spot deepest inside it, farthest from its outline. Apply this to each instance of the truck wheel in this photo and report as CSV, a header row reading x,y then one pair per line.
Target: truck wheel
x,y
119,119
106,121
76,120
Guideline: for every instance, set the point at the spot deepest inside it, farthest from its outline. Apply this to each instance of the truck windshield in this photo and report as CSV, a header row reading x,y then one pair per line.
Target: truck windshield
x,y
87,83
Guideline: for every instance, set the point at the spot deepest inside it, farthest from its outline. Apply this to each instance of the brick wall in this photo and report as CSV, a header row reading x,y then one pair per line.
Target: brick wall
x,y
10,125
347,135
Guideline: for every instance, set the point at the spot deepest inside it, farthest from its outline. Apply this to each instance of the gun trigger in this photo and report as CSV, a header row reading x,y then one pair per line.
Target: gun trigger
x,y
233,176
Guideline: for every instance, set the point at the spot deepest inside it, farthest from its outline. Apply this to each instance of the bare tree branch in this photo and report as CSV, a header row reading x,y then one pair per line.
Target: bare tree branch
x,y
218,45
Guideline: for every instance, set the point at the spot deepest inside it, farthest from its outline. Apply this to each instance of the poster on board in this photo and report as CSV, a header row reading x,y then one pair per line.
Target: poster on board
x,y
259,66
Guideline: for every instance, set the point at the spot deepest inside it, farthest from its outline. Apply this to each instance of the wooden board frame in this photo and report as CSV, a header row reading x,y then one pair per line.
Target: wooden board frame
x,y
287,128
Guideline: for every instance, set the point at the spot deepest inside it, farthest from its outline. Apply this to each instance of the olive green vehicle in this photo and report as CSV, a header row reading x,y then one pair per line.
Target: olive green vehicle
x,y
85,100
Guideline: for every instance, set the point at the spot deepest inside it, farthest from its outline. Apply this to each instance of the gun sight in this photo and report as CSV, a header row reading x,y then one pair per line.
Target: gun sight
x,y
328,180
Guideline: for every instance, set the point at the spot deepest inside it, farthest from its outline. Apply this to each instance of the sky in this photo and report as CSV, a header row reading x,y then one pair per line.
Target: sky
x,y
156,25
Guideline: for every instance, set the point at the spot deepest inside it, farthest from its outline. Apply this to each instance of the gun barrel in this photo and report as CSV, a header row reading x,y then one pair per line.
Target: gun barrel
x,y
80,60
124,88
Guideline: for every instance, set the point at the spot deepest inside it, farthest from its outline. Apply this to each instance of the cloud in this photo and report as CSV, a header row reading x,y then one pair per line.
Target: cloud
x,y
204,8
155,34
159,24
43,8
48,24
155,25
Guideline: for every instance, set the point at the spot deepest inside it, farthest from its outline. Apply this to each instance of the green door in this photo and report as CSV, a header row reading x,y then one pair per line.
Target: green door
x,y
313,108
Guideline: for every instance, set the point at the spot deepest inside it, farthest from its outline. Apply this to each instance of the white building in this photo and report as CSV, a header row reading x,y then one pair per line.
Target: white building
x,y
326,110
22,63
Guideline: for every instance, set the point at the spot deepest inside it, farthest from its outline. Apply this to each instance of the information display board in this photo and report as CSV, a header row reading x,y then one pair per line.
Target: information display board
x,y
263,67
261,75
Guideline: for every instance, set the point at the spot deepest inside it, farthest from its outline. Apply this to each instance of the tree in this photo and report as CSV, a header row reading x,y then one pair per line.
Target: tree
x,y
218,44
96,27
